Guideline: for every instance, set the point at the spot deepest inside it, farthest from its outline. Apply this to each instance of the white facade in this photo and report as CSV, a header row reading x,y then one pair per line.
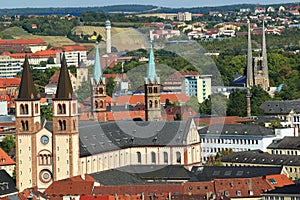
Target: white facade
x,y
9,67
186,16
213,143
72,57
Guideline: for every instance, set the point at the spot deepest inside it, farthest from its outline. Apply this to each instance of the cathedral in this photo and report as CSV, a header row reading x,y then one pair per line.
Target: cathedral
x,y
257,67
47,151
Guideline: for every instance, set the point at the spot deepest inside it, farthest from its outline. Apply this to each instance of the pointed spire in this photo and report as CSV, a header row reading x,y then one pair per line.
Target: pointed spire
x,y
26,91
249,59
97,74
64,86
151,71
264,54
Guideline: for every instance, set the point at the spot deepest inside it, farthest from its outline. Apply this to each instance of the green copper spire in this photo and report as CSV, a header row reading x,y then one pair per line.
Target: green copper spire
x,y
97,75
151,71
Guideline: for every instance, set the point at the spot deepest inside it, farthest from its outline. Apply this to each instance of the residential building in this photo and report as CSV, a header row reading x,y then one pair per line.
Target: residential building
x,y
51,87
291,163
285,146
156,34
288,192
74,55
36,44
6,163
284,110
8,187
184,16
238,137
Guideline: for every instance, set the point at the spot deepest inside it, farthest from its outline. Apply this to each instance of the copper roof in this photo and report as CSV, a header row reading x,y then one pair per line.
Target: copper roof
x,y
64,86
26,91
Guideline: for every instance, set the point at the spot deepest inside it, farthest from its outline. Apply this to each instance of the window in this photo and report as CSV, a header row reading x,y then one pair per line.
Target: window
x,y
153,157
238,193
272,181
178,157
101,104
166,158
62,108
156,104
96,104
36,108
139,157
150,104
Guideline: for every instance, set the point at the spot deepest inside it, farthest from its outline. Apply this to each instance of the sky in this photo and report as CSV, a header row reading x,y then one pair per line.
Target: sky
x,y
163,3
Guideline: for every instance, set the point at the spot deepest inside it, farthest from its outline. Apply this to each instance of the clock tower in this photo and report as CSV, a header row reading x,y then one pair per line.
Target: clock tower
x,y
65,128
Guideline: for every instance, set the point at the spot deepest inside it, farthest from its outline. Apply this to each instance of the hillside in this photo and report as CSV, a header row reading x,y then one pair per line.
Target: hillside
x,y
17,32
122,38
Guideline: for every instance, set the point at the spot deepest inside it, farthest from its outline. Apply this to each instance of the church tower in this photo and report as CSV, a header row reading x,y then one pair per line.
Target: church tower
x,y
249,80
98,91
28,123
260,65
65,128
152,91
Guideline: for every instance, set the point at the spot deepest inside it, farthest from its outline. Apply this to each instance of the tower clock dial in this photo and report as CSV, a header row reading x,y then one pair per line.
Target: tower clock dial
x,y
44,139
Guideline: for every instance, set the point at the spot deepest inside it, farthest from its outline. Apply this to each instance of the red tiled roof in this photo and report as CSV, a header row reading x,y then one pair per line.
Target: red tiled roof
x,y
9,82
223,120
140,99
5,159
278,180
73,185
74,48
242,187
21,41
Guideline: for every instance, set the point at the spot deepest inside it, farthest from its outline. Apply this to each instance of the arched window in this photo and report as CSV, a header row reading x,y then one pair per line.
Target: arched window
x,y
101,104
155,89
178,157
74,125
139,157
26,126
101,90
150,104
22,109
23,125
64,125
59,108
156,104
150,90
166,158
64,109
60,125
26,109
96,104
36,108
153,157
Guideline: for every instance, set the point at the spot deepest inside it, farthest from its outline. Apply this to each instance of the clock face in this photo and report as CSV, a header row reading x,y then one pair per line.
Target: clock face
x,y
44,139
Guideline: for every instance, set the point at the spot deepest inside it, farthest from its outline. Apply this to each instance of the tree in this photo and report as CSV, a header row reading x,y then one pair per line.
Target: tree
x,y
50,60
110,86
84,91
275,124
215,104
46,112
8,143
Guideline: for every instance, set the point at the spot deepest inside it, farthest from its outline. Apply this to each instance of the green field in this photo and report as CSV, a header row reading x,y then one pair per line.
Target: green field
x,y
122,38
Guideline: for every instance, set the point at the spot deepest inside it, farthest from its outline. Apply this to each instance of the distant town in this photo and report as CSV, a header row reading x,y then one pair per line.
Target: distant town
x,y
143,102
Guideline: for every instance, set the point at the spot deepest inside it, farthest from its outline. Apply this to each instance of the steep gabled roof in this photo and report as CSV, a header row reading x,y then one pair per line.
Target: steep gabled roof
x,y
286,143
5,159
27,91
8,185
64,86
